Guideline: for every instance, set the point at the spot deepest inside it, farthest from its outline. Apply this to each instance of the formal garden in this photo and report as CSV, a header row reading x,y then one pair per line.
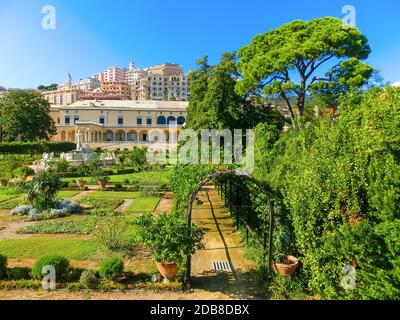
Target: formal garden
x,y
94,224
318,216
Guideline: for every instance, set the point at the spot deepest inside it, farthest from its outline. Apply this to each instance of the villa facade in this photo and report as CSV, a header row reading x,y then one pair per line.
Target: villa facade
x,y
119,121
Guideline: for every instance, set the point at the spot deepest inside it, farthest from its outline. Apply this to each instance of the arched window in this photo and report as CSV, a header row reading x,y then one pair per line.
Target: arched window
x,y
181,120
171,120
161,120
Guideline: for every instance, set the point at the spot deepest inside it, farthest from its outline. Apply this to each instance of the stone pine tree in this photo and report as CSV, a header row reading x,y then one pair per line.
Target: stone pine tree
x,y
26,117
301,58
215,103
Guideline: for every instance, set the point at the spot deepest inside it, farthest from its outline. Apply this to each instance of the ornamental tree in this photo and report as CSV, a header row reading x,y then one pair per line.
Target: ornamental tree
x,y
25,116
301,58
214,102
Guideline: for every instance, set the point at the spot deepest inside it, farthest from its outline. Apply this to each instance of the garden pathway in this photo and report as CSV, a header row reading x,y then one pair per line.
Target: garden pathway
x,y
223,243
125,205
166,204
81,195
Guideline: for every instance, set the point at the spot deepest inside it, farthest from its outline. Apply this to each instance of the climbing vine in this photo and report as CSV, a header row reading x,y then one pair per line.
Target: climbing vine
x,y
340,184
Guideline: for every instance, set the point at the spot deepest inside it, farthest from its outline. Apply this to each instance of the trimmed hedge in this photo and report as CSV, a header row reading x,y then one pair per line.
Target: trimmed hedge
x,y
39,147
103,286
111,268
60,264
3,266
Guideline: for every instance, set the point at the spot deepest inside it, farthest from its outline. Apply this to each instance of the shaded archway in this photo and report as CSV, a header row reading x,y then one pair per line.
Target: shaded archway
x,y
242,176
132,136
63,136
108,136
144,136
120,135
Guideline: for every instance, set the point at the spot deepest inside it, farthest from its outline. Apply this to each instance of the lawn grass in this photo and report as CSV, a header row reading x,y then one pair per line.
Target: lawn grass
x,y
113,195
143,205
8,194
79,225
101,203
159,177
34,248
66,194
5,197
11,204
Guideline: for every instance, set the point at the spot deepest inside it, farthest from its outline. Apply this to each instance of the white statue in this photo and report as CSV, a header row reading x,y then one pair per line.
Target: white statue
x,y
44,164
79,140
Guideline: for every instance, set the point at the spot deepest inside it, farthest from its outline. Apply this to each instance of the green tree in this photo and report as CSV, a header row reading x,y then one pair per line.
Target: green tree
x,y
284,62
198,88
25,116
214,102
330,173
51,87
42,191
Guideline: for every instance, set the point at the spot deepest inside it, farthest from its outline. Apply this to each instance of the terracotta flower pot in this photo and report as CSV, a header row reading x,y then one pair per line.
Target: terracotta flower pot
x,y
168,270
4,182
81,183
288,267
103,183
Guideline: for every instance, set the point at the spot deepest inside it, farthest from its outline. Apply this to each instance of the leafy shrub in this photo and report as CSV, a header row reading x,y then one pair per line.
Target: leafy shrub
x,y
109,204
35,215
111,268
70,207
22,210
3,266
150,190
42,191
23,172
331,171
102,212
112,233
59,165
60,264
12,203
19,274
89,279
21,284
82,227
118,186
168,236
37,148
59,213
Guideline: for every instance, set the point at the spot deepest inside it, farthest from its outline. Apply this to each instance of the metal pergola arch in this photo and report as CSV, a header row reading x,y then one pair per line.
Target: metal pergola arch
x,y
192,198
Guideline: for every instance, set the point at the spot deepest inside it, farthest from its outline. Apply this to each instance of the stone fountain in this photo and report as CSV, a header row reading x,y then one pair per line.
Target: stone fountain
x,y
82,154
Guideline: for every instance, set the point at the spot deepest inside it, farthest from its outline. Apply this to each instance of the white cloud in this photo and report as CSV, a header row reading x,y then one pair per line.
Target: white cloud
x,y
396,84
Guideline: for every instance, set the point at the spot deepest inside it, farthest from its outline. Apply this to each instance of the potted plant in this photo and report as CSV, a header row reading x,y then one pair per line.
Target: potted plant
x,y
286,265
171,240
82,170
100,176
103,180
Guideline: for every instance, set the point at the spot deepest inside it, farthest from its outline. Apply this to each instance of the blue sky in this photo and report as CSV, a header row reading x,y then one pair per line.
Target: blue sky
x,y
94,34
